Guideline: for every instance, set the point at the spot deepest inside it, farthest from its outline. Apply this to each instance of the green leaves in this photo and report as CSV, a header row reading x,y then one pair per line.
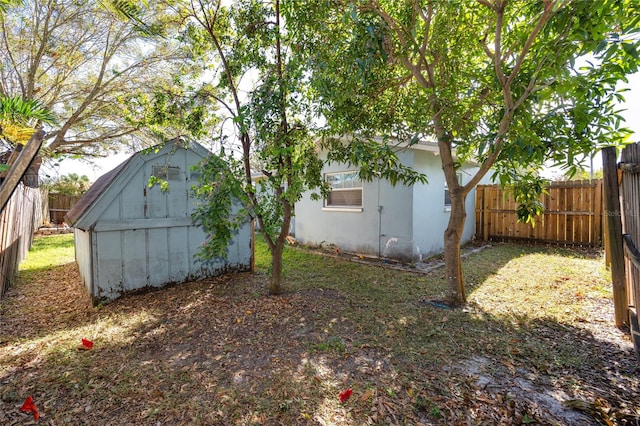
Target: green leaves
x,y
260,86
19,118
18,110
220,211
375,159
71,184
134,12
527,191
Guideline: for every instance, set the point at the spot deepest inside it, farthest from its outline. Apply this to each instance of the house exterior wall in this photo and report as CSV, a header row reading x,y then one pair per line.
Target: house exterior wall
x,y
430,216
409,226
372,231
145,237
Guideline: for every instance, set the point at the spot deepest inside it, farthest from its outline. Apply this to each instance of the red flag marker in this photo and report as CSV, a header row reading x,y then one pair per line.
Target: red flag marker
x,y
87,343
30,407
345,395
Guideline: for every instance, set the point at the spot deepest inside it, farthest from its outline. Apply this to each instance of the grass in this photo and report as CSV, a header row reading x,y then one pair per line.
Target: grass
x,y
47,252
221,351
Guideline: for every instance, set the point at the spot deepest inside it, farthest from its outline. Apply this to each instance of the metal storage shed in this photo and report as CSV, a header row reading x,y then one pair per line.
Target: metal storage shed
x,y
129,236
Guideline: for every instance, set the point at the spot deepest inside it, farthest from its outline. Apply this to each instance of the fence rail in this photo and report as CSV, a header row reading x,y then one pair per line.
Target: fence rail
x,y
573,214
18,220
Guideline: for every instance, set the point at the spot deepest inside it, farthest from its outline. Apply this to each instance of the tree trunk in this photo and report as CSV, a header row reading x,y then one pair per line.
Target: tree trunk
x,y
275,287
30,177
453,263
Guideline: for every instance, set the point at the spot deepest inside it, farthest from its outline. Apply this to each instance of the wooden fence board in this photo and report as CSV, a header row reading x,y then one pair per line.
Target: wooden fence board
x,y
629,185
573,214
18,220
59,206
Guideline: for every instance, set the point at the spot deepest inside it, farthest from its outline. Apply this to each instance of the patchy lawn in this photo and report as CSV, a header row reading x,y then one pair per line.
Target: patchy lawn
x,y
537,331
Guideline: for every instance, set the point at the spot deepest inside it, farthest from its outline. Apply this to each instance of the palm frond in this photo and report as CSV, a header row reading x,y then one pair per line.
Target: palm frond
x,y
16,110
133,12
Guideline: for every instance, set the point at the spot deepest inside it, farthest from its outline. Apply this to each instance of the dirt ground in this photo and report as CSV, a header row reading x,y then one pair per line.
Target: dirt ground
x,y
219,351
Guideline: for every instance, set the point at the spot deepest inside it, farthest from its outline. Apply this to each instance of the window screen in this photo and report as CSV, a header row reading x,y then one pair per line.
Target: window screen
x,y
166,172
346,190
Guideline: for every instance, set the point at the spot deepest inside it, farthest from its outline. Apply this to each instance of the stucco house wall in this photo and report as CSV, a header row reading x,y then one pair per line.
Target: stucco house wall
x,y
401,222
430,216
357,230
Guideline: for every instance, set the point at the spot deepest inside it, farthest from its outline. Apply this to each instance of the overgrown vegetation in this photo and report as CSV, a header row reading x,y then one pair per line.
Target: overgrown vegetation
x,y
218,351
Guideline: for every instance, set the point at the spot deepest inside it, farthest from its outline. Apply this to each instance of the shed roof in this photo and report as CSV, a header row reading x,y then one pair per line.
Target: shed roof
x,y
98,187
121,174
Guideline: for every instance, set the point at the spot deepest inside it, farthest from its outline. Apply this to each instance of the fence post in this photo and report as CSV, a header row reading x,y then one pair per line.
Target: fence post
x,y
21,165
614,227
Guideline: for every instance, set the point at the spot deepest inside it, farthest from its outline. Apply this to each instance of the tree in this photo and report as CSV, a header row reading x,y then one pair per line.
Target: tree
x,y
244,41
71,184
83,61
493,81
260,84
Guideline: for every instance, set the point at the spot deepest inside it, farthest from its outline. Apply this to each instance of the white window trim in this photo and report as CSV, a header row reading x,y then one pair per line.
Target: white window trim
x,y
348,209
343,209
447,207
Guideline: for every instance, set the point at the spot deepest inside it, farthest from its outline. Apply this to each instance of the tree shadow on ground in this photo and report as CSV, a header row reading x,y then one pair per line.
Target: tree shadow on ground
x,y
220,351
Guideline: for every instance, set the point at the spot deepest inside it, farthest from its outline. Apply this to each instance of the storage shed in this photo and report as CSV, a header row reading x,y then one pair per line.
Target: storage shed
x,y
130,236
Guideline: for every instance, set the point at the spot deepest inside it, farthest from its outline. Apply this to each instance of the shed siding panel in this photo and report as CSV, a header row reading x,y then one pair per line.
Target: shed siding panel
x,y
82,243
133,197
177,198
156,203
134,249
158,257
242,246
198,267
144,237
109,265
179,261
112,212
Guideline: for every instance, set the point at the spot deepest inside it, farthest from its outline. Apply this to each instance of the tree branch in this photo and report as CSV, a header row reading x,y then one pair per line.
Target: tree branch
x,y
544,18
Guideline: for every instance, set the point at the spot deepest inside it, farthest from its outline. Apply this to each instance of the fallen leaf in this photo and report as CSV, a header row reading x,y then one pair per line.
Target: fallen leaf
x,y
30,407
367,395
345,395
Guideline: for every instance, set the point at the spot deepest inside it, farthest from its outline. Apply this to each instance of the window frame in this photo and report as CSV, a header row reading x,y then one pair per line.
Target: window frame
x,y
343,207
447,207
164,172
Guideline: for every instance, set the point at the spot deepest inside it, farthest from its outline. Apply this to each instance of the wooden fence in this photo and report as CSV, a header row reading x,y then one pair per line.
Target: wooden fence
x,y
629,184
18,220
573,214
59,206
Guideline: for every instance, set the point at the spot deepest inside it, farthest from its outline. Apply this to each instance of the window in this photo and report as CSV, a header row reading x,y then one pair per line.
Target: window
x,y
447,196
345,192
166,172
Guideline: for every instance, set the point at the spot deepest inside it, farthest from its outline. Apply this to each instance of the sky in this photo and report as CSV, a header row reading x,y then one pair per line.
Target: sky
x,y
103,165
